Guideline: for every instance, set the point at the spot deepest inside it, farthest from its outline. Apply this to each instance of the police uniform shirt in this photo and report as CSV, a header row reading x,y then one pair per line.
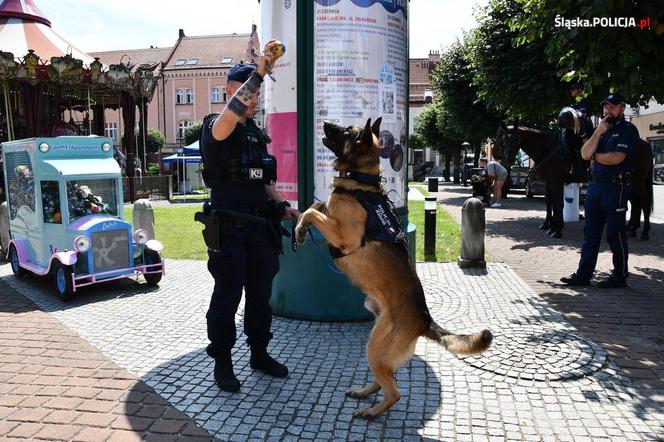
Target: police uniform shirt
x,y
622,137
233,195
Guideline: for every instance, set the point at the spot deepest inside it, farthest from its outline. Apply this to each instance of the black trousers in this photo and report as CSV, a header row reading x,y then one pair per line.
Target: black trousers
x,y
247,260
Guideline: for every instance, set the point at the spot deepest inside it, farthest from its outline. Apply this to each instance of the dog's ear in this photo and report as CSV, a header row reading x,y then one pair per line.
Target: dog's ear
x,y
375,128
367,136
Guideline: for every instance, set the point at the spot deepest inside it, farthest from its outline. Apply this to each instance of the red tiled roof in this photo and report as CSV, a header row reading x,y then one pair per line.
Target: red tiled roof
x,y
210,50
136,56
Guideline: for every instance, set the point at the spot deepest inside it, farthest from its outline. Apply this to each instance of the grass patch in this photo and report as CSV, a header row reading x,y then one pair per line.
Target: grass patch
x,y
182,239
178,232
448,234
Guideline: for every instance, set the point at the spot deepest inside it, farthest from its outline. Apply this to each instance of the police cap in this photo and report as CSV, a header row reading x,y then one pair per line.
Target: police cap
x,y
241,72
614,99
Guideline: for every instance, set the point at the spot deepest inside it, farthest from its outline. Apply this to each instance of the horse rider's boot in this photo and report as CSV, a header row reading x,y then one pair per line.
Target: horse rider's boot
x,y
261,360
223,373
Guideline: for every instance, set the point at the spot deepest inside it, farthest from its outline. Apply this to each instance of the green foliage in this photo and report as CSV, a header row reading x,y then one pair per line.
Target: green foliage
x,y
448,234
433,129
462,117
153,169
517,81
153,138
192,133
607,59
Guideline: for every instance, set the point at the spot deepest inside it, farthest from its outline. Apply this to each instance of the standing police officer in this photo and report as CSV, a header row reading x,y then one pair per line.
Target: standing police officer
x,y
240,173
611,149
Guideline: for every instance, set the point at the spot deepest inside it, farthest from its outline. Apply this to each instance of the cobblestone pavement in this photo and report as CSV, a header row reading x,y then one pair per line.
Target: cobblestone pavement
x,y
54,385
627,323
541,380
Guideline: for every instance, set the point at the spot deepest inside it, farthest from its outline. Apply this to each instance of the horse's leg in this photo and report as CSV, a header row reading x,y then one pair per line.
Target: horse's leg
x,y
634,213
647,204
557,201
547,198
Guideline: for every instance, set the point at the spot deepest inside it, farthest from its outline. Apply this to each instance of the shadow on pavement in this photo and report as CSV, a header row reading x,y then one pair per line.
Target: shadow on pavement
x,y
311,403
43,286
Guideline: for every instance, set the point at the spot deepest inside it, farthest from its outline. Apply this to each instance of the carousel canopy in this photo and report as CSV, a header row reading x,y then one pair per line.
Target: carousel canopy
x,y
24,27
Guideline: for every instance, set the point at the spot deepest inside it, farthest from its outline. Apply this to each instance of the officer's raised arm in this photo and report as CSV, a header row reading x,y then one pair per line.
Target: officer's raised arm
x,y
244,95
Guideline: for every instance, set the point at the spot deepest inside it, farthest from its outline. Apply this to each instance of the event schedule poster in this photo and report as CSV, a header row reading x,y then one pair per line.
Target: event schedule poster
x,y
279,21
360,72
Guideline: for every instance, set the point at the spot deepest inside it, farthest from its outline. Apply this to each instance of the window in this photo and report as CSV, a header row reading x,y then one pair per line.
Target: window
x,y
216,95
111,131
51,202
192,61
225,97
190,96
180,62
226,60
182,125
179,96
92,197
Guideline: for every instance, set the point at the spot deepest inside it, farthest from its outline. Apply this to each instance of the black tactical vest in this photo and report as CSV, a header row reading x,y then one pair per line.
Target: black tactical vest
x,y
242,158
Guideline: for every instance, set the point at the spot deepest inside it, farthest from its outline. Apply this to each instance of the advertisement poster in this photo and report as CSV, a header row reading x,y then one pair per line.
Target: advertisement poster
x,y
360,72
279,22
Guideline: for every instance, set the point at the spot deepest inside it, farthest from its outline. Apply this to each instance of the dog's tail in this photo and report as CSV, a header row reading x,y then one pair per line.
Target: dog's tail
x,y
461,344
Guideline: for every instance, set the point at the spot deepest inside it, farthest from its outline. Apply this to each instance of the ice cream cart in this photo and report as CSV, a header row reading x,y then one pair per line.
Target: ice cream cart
x,y
66,216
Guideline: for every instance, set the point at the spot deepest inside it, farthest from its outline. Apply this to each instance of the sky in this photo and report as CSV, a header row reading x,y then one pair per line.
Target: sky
x,y
104,25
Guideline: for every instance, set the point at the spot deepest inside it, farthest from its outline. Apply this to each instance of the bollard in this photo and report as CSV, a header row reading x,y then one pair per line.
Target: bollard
x,y
429,226
143,217
4,229
473,226
433,184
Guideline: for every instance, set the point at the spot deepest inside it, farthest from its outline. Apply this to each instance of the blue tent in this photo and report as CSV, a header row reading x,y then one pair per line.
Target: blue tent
x,y
189,154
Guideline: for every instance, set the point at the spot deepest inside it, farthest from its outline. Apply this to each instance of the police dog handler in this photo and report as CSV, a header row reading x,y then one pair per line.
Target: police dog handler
x,y
611,150
242,221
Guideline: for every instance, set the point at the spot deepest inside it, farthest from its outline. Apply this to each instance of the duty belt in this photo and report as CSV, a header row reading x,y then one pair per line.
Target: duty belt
x,y
621,178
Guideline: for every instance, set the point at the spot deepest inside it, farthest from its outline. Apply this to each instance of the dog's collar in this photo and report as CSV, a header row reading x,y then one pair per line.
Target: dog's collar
x,y
365,178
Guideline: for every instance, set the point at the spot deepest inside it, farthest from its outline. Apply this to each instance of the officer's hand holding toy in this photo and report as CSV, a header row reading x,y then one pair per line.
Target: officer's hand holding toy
x,y
271,52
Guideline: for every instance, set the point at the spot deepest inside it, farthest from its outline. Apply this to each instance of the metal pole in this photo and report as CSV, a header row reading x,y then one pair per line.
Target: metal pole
x,y
430,226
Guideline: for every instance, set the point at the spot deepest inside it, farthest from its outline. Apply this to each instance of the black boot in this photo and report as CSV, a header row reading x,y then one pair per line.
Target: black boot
x,y
223,374
262,361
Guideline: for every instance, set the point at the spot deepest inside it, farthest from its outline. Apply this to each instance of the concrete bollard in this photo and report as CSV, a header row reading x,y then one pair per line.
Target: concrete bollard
x,y
143,217
4,228
473,226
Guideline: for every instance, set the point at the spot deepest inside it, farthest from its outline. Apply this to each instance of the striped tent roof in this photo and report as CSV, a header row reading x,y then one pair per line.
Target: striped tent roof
x,y
23,27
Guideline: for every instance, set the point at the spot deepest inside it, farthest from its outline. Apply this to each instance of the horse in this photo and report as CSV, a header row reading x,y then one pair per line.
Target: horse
x,y
541,145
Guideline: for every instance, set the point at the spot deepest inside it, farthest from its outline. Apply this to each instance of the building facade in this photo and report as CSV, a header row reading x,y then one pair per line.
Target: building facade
x,y
420,95
192,83
650,123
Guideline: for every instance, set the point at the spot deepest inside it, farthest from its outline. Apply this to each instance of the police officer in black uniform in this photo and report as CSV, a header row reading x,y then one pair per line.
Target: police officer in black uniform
x,y
240,173
611,149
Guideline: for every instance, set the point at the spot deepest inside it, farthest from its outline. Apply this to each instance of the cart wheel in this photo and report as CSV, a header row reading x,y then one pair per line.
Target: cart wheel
x,y
152,257
19,271
64,286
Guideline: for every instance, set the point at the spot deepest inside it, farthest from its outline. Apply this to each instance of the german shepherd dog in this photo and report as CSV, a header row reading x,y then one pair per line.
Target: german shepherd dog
x,y
382,270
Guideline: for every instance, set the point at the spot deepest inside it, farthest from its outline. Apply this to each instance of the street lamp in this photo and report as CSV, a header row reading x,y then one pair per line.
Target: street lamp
x,y
464,169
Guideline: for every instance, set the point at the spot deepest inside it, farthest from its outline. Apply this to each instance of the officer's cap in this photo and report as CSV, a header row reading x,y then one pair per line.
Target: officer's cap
x,y
614,99
241,72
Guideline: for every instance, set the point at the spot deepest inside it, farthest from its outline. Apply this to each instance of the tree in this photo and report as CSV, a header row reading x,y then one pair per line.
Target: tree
x,y
192,133
607,59
155,140
518,82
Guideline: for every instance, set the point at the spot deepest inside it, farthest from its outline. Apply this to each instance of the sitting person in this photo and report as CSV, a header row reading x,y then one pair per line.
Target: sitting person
x,y
498,173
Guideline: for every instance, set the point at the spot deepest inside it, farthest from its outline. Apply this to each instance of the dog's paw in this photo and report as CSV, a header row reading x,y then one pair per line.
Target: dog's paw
x,y
301,233
364,413
355,393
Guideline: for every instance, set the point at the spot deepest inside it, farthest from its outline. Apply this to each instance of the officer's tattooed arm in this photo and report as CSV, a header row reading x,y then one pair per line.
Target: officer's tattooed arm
x,y
245,98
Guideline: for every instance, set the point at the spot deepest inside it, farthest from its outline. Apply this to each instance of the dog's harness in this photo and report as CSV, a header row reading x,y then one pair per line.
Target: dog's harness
x,y
382,221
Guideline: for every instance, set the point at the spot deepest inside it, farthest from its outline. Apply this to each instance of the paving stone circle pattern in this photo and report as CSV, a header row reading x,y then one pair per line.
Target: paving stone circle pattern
x,y
575,391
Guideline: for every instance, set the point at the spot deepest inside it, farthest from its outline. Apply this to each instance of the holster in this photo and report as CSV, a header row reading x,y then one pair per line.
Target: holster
x,y
215,227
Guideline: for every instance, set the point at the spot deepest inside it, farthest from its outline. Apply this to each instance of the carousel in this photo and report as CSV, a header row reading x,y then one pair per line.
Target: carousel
x,y
50,88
